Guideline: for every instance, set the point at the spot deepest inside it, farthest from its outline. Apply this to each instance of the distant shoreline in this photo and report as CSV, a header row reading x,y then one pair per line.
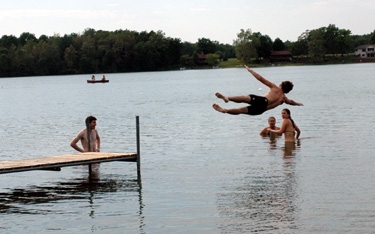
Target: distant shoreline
x,y
235,63
350,59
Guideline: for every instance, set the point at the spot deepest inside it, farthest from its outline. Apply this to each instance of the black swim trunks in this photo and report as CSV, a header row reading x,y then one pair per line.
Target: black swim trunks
x,y
258,105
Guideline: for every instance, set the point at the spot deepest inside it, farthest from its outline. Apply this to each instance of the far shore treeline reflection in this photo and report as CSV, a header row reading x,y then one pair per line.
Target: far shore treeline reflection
x,y
100,51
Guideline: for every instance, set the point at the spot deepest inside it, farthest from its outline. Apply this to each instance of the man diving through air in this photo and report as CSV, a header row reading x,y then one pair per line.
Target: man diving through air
x,y
259,104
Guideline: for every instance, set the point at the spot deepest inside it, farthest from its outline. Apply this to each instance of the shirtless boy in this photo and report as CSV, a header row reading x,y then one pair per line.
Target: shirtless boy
x,y
259,104
83,137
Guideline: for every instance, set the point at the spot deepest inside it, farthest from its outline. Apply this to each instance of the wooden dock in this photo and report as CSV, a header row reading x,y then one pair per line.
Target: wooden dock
x,y
56,162
65,160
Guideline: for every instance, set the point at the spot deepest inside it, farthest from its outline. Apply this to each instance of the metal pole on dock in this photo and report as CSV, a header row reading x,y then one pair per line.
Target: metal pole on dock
x,y
138,149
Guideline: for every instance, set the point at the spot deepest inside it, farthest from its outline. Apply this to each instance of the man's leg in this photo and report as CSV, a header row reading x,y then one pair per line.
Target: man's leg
x,y
219,95
237,99
240,99
233,111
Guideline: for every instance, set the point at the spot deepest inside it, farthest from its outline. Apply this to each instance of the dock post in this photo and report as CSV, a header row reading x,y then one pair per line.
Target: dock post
x,y
138,150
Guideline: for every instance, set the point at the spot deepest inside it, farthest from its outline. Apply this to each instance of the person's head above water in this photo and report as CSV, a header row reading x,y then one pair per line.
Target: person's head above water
x,y
272,121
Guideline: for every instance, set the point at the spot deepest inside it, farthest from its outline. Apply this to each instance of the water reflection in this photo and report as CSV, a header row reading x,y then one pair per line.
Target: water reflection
x,y
290,147
272,140
265,199
43,200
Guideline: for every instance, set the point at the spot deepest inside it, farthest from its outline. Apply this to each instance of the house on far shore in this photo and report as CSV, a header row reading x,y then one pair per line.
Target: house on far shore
x,y
365,51
281,56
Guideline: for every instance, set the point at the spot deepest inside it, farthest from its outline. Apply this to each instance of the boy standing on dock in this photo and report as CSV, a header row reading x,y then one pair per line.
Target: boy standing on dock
x,y
89,137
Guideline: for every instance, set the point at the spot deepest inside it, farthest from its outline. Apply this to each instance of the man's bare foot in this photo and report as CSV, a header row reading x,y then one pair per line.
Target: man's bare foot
x,y
219,95
218,108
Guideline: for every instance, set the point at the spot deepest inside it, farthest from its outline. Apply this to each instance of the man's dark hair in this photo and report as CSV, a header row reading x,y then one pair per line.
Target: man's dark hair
x,y
286,86
89,119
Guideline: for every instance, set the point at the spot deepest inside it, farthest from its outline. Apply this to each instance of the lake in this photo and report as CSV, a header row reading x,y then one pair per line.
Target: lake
x,y
202,171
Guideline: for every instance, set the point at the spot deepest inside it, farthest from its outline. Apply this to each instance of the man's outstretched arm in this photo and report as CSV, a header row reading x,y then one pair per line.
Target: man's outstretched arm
x,y
292,102
260,78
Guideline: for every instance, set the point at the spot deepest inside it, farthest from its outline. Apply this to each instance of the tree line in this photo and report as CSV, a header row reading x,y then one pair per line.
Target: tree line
x,y
100,52
314,45
130,51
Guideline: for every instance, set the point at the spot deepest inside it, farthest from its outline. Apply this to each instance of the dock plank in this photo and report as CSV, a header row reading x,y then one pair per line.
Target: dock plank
x,y
63,161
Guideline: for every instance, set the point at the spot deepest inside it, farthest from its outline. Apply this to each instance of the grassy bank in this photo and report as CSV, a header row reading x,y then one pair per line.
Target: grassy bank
x,y
328,59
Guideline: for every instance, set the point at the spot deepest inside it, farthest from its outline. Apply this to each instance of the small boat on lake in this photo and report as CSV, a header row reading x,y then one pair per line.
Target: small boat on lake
x,y
97,81
93,80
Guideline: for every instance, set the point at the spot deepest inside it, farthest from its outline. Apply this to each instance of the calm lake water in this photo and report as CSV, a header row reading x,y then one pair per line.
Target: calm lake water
x,y
202,171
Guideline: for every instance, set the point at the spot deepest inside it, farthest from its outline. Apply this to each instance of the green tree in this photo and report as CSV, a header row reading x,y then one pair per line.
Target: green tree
x,y
360,40
288,45
212,59
316,45
330,36
8,41
372,38
109,61
5,62
300,47
278,45
124,49
188,48
227,51
43,38
184,60
71,60
24,62
206,46
12,50
265,48
65,42
160,47
50,62
246,45
89,61
344,42
174,48
220,55
25,37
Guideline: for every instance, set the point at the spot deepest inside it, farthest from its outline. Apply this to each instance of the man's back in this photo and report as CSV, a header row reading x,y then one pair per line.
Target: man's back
x,y
275,97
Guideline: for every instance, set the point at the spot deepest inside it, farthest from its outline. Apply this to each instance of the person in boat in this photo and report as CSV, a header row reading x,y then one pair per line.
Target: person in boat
x,y
92,77
83,137
288,127
259,104
103,78
272,125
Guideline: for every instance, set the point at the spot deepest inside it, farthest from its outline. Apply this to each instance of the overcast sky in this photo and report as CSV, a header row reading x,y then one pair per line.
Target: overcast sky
x,y
189,20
